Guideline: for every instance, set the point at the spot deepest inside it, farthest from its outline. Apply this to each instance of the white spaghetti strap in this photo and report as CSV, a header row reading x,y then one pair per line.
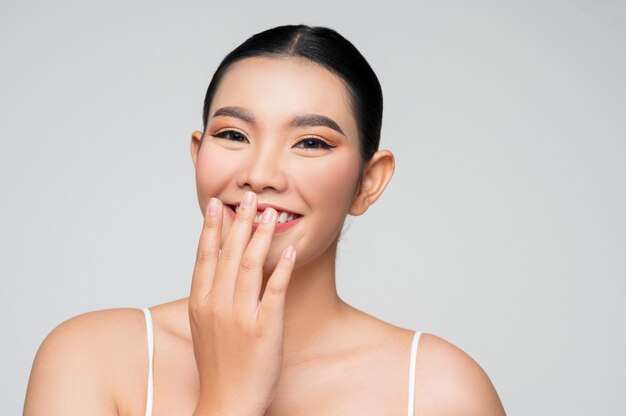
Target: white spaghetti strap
x,y
414,344
150,336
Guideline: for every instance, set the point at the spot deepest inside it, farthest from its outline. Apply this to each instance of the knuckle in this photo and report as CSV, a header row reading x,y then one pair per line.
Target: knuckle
x,y
205,255
197,308
228,254
215,310
275,289
195,311
248,264
260,331
241,320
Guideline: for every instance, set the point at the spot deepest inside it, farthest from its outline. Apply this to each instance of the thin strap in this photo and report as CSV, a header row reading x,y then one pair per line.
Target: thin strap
x,y
416,338
150,336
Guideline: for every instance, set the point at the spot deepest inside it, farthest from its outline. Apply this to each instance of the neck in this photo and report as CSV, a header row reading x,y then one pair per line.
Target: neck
x,y
312,307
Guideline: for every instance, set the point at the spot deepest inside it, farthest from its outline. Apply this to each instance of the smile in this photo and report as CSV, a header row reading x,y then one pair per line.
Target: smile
x,y
284,219
281,218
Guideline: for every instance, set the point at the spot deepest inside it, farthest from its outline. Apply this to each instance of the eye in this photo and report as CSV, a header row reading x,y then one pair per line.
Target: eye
x,y
231,135
313,143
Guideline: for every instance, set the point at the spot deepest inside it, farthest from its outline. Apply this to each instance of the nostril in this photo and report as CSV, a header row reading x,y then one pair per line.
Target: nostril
x,y
260,177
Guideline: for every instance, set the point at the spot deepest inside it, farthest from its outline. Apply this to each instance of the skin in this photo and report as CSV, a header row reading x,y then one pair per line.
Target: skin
x,y
263,320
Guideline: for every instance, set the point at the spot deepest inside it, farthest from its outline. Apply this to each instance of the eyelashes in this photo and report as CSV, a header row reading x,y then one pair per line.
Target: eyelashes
x,y
304,143
313,143
231,135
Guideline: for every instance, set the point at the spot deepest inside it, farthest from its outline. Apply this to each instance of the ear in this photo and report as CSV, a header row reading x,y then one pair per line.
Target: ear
x,y
196,142
376,175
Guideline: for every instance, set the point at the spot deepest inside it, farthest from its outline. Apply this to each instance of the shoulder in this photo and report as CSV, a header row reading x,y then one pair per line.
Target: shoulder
x,y
103,334
78,366
449,382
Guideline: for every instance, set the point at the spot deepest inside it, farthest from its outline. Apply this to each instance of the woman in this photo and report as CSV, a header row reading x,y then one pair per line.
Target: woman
x,y
292,122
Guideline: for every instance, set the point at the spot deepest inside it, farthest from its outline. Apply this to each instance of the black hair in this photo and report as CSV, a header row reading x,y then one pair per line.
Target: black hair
x,y
329,49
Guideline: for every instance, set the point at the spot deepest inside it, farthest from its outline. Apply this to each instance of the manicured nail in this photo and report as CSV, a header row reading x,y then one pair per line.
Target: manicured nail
x,y
288,253
269,215
248,199
213,206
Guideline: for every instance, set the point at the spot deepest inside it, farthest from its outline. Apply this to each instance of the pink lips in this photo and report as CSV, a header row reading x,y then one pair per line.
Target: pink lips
x,y
280,227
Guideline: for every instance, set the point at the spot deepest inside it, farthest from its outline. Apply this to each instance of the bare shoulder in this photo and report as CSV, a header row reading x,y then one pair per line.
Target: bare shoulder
x,y
449,382
84,363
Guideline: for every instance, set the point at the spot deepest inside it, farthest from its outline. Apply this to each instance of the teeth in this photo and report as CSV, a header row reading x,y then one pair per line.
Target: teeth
x,y
282,217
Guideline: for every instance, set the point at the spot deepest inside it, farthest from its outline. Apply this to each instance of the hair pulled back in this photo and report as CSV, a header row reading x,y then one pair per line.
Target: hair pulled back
x,y
328,48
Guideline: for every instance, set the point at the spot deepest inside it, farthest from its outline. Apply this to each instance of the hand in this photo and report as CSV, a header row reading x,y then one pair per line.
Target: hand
x,y
237,339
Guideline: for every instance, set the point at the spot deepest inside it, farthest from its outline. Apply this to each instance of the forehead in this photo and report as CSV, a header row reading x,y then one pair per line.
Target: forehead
x,y
275,89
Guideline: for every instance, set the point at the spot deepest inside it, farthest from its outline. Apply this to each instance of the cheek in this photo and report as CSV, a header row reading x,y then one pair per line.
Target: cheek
x,y
214,171
329,184
328,188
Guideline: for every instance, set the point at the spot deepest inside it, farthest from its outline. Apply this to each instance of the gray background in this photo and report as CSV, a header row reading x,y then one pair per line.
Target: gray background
x,y
503,227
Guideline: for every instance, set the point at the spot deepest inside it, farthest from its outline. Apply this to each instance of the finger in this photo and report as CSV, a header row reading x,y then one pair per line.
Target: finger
x,y
250,276
232,250
272,307
208,251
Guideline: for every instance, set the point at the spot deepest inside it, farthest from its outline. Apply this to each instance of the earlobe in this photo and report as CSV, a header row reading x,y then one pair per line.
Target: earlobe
x,y
196,142
376,176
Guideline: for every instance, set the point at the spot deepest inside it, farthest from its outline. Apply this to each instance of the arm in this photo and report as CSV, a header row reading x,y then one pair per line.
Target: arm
x,y
453,383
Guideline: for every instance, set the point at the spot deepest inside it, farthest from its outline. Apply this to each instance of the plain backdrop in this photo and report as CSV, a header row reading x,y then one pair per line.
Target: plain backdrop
x,y
503,229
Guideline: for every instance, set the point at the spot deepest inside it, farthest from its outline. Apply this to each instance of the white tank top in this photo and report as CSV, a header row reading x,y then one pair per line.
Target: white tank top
x,y
150,336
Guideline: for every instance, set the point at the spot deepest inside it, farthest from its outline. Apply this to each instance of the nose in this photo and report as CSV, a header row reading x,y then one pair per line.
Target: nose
x,y
264,171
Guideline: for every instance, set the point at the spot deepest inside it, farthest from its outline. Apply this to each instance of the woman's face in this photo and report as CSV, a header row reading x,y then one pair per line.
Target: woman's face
x,y
284,129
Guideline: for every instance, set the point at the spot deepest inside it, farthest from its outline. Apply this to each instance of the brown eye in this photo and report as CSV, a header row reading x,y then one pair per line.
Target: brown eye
x,y
313,143
231,135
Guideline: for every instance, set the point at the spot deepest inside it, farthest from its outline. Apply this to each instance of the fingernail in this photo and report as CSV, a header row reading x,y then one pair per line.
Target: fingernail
x,y
248,199
213,206
269,215
288,253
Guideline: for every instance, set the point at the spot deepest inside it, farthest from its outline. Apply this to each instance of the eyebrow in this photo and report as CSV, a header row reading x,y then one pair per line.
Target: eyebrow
x,y
311,120
304,120
236,112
